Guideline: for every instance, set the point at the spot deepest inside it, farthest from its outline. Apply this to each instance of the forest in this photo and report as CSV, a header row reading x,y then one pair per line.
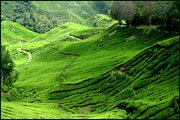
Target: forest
x,y
90,60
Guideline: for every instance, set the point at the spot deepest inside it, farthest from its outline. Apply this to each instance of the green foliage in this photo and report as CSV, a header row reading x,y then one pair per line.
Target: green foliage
x,y
12,33
41,17
100,20
169,42
162,13
7,66
90,78
149,107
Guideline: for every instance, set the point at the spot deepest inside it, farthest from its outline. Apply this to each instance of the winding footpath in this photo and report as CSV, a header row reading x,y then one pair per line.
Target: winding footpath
x,y
72,36
28,53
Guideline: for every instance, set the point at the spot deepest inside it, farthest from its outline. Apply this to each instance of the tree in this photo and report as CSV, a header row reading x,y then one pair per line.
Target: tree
x,y
123,10
6,65
140,16
173,19
168,13
101,6
148,9
28,15
131,11
177,4
162,10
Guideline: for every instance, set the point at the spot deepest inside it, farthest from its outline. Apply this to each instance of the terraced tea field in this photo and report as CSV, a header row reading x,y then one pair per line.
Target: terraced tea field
x,y
78,71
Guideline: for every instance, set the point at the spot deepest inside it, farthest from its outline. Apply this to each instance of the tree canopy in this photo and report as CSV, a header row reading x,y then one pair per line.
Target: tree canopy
x,y
164,13
7,65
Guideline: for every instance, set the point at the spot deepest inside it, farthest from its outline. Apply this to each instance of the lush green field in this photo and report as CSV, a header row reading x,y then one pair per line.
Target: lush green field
x,y
78,71
24,110
12,33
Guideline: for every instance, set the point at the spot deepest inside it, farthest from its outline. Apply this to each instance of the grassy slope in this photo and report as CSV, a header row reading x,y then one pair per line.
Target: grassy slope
x,y
146,86
60,33
12,33
80,60
101,20
61,10
74,61
70,11
24,110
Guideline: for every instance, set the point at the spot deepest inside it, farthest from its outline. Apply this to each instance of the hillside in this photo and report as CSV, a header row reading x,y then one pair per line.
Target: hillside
x,y
12,33
99,20
42,16
74,7
108,72
145,86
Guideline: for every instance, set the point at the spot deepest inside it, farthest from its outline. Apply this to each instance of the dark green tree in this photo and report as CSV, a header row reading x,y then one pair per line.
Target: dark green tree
x,y
123,10
162,10
101,6
148,9
7,66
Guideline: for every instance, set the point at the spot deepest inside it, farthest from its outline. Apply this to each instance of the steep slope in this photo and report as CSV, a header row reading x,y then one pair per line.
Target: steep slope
x,y
73,7
119,93
41,16
100,76
70,31
78,60
146,86
62,32
13,33
99,20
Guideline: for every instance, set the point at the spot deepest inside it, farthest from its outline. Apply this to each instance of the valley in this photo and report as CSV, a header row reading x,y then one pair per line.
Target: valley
x,y
81,71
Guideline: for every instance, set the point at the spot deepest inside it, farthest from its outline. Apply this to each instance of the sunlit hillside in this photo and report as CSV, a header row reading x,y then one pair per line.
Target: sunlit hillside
x,y
92,65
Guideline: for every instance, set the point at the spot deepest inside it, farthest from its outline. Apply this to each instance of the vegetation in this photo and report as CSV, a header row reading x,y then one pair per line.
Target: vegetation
x,y
41,16
14,33
124,10
90,69
6,66
163,13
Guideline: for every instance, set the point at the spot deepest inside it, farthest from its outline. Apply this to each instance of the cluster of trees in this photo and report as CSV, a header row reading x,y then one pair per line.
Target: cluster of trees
x,y
43,19
24,13
7,66
101,6
37,20
165,13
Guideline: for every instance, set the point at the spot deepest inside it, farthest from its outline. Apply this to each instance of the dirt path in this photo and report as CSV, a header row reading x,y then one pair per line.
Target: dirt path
x,y
28,53
72,36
